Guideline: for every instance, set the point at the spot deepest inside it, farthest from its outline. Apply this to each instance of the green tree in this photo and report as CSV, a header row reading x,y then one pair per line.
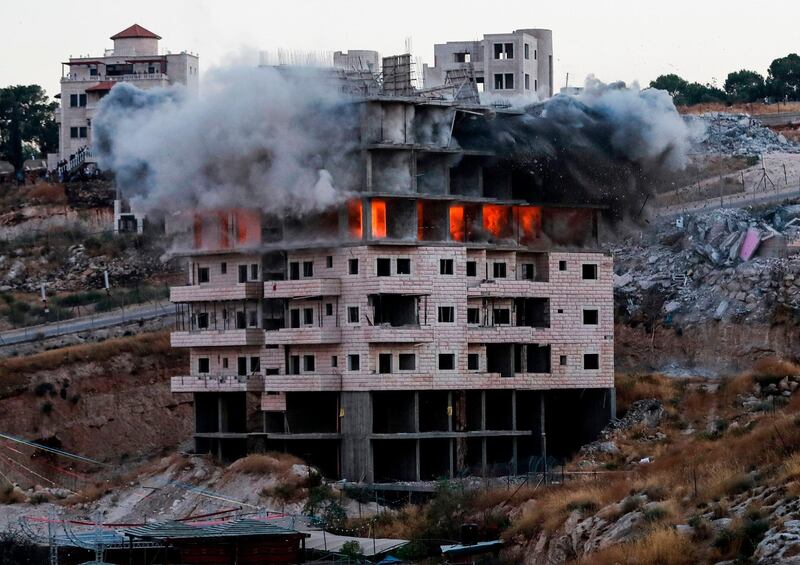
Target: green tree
x,y
744,86
696,93
672,83
27,123
783,80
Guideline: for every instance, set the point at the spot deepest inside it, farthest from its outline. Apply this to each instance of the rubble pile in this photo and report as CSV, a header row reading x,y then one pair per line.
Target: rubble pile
x,y
23,271
722,264
740,135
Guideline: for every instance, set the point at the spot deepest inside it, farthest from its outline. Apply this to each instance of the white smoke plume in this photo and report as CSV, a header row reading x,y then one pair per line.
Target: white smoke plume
x,y
255,137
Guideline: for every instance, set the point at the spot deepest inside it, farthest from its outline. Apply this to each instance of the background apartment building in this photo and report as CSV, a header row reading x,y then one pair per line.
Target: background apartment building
x,y
135,58
509,64
440,322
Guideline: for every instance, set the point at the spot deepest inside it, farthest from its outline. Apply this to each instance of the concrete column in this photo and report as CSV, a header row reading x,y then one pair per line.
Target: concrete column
x,y
416,414
417,462
220,414
356,427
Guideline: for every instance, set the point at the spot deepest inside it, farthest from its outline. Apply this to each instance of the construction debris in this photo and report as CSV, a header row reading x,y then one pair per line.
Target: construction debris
x,y
717,265
740,135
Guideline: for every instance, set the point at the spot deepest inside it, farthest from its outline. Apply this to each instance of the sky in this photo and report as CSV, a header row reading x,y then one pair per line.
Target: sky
x,y
621,40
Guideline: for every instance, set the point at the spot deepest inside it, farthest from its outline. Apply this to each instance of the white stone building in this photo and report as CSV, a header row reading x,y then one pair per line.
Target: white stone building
x,y
508,64
135,58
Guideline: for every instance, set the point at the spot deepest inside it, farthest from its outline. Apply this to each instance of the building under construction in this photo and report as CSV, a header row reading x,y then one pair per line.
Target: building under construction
x,y
440,321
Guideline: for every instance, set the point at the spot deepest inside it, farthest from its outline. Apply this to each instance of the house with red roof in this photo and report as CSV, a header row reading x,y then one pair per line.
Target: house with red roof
x,y
136,58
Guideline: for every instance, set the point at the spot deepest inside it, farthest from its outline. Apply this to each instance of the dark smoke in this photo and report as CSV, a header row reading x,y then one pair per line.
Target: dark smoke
x,y
605,147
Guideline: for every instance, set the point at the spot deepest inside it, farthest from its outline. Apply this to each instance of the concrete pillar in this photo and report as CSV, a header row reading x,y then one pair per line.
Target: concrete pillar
x,y
356,427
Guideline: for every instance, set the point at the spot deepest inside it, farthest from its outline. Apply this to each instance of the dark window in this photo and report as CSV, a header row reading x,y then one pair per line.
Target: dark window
x,y
589,271
384,267
352,266
202,320
562,360
590,317
560,310
447,361
308,268
473,315
499,270
329,261
202,274
223,267
353,362
447,314
309,363
294,318
252,318
241,321
591,361
352,314
203,365
527,51
241,366
498,81
404,266
527,81
254,272
242,273
562,265
407,362
473,361
255,364
82,132
528,271
445,266
272,371
93,71
73,133
294,365
294,271
82,100
328,309
308,316
509,81
385,363
224,362
73,100
502,316
498,50
334,361
472,269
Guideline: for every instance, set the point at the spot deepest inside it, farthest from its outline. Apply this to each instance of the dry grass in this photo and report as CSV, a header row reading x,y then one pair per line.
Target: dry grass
x,y
87,494
271,463
661,546
155,343
773,369
633,387
44,193
755,108
550,509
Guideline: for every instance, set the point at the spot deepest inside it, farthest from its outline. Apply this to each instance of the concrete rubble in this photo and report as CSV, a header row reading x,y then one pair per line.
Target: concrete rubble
x,y
739,135
716,265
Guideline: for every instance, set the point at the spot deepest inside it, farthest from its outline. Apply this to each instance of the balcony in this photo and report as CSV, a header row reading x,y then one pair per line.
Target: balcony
x,y
402,285
303,383
115,78
502,288
217,383
206,293
385,333
308,335
302,288
218,338
507,334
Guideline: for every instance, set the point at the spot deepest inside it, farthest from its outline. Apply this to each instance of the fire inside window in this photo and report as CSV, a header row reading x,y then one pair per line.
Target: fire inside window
x,y
378,219
354,219
457,223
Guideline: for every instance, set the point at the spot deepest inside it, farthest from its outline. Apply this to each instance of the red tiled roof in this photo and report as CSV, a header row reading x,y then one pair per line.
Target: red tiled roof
x,y
135,31
102,86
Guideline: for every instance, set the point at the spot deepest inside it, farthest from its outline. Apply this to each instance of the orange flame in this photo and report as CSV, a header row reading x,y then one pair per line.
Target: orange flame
x,y
494,219
457,223
248,226
378,219
354,208
224,243
530,222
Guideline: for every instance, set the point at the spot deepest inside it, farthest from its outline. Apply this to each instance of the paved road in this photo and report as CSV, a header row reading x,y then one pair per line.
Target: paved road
x,y
147,311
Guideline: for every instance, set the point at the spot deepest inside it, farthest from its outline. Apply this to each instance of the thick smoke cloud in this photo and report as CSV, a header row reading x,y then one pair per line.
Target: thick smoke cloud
x,y
606,146
256,137
286,142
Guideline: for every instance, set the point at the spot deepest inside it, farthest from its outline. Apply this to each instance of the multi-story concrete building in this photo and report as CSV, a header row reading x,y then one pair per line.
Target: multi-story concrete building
x,y
134,58
508,64
439,321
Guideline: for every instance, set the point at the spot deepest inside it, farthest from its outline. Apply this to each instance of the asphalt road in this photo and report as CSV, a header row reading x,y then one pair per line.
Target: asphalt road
x,y
147,311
